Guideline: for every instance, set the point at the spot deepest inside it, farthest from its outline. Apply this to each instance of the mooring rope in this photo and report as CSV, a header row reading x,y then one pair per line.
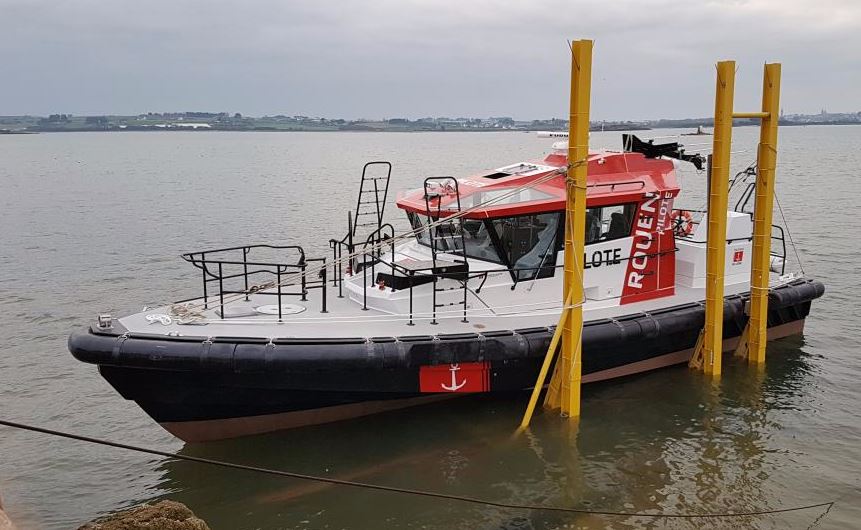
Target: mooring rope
x,y
415,492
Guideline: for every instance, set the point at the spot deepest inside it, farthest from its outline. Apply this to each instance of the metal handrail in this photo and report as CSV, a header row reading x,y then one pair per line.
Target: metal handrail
x,y
375,238
337,246
213,270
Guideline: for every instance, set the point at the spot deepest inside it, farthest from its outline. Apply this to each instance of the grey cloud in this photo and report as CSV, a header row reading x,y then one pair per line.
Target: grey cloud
x,y
386,58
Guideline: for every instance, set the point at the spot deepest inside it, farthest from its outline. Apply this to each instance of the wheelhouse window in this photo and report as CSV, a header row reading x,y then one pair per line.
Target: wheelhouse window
x,y
476,237
418,224
605,223
526,244
478,240
529,243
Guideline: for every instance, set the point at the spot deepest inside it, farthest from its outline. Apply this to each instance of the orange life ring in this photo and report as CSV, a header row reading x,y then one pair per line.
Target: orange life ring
x,y
682,222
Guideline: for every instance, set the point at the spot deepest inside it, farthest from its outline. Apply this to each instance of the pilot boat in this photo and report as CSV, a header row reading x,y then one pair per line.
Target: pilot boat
x,y
464,302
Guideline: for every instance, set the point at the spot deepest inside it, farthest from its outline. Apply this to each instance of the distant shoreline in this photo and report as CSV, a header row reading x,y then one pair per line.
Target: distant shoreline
x,y
49,130
195,122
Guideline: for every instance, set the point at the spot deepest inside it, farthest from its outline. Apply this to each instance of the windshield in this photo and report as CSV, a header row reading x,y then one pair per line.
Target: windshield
x,y
526,244
447,238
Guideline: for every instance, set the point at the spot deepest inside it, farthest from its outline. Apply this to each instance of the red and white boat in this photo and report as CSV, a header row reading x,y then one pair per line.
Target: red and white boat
x,y
464,303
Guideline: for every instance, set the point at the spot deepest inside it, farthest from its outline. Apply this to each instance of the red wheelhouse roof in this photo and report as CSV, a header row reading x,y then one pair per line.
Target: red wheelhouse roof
x,y
613,178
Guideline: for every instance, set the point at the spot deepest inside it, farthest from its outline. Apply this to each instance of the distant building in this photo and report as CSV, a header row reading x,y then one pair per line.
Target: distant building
x,y
189,125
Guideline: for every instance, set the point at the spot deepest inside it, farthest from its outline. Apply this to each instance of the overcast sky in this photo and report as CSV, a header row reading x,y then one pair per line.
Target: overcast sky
x,y
397,58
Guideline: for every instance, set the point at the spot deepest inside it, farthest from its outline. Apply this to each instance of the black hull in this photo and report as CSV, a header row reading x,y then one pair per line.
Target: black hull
x,y
202,390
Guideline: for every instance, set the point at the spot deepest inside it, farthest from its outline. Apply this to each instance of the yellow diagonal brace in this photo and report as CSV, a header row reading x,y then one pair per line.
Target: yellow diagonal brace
x,y
553,399
696,360
545,367
741,350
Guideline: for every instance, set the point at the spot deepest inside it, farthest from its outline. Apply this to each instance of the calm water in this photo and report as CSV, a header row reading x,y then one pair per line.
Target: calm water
x,y
95,222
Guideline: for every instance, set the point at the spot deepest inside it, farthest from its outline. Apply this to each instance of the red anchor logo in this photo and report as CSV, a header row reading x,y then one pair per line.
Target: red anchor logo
x,y
455,377
455,386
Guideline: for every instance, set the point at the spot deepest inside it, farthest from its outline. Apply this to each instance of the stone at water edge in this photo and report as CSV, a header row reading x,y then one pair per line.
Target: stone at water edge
x,y
163,515
5,522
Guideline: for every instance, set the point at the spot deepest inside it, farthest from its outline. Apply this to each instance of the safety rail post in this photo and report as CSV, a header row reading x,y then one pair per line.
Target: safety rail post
x,y
245,270
203,271
411,278
392,251
335,263
465,284
278,278
350,229
304,282
364,281
374,259
221,290
433,315
338,266
568,373
754,337
710,348
324,286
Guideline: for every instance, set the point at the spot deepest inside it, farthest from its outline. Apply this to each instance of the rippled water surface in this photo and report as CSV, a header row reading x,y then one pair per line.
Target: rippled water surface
x,y
95,222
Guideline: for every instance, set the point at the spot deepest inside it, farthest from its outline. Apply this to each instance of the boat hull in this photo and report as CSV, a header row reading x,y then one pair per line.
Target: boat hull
x,y
200,389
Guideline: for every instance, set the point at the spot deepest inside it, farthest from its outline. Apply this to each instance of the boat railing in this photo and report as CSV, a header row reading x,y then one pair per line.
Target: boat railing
x,y
430,272
778,235
340,248
226,265
744,199
372,252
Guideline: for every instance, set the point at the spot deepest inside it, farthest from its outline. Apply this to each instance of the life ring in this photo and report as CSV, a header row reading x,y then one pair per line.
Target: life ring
x,y
682,222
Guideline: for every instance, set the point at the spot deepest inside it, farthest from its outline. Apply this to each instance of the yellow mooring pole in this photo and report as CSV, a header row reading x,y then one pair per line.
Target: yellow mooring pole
x,y
564,390
575,215
753,339
710,347
569,330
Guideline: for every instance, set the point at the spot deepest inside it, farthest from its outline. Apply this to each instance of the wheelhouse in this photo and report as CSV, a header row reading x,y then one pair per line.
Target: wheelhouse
x,y
515,216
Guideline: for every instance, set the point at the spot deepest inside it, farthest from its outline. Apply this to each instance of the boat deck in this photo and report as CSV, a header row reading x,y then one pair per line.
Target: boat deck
x,y
346,318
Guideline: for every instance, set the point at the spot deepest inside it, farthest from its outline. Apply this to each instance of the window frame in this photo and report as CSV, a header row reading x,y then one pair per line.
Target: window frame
x,y
634,207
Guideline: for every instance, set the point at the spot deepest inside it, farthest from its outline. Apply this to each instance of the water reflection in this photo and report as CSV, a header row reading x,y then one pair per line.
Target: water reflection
x,y
669,441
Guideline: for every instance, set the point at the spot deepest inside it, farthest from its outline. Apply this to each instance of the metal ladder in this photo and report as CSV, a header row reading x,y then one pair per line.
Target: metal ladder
x,y
448,235
371,203
368,215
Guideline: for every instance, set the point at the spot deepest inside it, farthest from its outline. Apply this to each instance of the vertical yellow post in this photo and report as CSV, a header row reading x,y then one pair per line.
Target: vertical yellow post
x,y
564,389
762,217
575,225
712,343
